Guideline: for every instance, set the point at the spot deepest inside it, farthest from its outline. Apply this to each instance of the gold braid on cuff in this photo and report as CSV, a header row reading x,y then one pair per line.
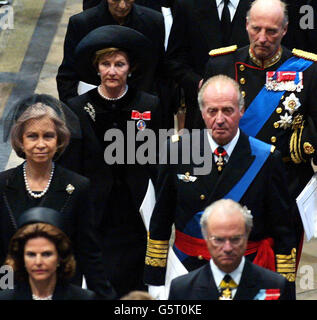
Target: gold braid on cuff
x,y
286,265
156,252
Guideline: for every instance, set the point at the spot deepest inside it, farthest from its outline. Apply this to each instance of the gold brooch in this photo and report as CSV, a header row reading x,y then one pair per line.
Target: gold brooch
x,y
308,148
70,188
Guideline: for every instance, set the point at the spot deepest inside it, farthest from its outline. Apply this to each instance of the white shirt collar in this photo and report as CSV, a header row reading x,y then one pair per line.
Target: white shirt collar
x,y
219,274
228,147
234,3
232,6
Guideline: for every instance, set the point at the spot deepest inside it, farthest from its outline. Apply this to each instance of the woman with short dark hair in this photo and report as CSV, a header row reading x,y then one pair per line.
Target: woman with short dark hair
x,y
41,257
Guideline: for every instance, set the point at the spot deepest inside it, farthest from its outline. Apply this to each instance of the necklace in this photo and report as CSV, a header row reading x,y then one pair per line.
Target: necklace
x,y
112,99
32,194
35,297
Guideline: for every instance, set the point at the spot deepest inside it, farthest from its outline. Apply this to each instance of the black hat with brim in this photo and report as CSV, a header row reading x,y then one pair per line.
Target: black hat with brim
x,y
134,43
41,215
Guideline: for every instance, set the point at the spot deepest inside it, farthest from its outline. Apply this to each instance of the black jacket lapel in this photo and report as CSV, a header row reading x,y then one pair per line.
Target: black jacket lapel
x,y
239,162
247,288
57,196
15,189
206,288
209,23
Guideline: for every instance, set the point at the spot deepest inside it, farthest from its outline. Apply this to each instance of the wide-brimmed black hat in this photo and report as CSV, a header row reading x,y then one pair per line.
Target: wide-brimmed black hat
x,y
135,44
43,215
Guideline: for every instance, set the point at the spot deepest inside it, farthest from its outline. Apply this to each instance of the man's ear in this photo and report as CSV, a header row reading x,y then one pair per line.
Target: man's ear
x,y
285,29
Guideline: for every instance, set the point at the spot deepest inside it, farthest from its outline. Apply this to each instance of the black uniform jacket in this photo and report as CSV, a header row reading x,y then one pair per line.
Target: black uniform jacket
x,y
79,219
142,19
239,66
179,200
63,291
200,284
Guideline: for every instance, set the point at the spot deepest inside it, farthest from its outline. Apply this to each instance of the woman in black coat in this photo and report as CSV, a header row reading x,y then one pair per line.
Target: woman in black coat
x,y
39,134
111,117
41,258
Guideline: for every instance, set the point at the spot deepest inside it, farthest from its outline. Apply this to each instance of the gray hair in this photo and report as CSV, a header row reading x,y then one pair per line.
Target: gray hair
x,y
38,111
226,81
281,3
227,206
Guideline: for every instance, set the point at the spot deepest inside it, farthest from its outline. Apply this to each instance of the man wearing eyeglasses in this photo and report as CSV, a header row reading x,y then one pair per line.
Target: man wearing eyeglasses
x,y
113,12
243,169
226,226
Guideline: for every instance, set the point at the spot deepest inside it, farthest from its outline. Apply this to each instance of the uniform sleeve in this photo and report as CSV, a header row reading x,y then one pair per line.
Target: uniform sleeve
x,y
280,222
160,227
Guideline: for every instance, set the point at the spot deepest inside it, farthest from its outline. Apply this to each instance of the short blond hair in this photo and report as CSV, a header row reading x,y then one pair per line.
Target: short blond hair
x,y
39,111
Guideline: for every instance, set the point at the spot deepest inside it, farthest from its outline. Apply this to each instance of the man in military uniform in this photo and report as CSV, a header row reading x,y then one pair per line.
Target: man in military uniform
x,y
245,169
279,88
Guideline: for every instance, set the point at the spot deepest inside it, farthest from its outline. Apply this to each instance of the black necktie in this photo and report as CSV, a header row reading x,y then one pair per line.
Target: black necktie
x,y
220,152
225,23
226,286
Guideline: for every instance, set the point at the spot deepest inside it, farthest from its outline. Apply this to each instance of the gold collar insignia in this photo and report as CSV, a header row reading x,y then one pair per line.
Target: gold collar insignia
x,y
268,62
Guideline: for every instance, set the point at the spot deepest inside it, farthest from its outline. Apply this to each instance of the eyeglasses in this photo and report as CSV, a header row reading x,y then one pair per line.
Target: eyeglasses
x,y
220,241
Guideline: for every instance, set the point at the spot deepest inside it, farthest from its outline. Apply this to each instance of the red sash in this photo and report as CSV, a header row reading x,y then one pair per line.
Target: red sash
x,y
197,247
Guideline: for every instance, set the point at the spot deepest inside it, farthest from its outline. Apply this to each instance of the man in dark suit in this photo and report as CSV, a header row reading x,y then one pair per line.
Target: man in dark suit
x,y
226,226
111,12
197,28
244,169
153,4
279,88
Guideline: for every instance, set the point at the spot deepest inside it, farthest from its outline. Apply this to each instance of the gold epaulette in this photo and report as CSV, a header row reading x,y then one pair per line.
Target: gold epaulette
x,y
156,252
175,138
305,54
222,51
286,265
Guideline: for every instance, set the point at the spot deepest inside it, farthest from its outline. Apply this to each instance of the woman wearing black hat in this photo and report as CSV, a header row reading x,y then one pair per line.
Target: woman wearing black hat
x,y
119,182
41,257
39,134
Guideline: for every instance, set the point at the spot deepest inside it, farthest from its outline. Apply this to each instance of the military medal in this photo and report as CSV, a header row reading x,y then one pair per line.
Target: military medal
x,y
141,125
220,152
136,115
284,81
291,103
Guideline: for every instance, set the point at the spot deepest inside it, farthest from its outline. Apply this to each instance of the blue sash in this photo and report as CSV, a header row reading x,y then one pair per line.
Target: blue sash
x,y
264,104
261,151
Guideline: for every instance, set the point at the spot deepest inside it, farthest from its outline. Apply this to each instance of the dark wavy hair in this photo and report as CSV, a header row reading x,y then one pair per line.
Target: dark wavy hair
x,y
15,257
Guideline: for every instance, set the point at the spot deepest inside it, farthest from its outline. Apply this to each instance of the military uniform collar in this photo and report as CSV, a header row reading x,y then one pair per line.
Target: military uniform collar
x,y
268,62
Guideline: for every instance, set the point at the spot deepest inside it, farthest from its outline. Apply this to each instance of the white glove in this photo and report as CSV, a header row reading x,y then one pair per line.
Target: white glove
x,y
158,292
